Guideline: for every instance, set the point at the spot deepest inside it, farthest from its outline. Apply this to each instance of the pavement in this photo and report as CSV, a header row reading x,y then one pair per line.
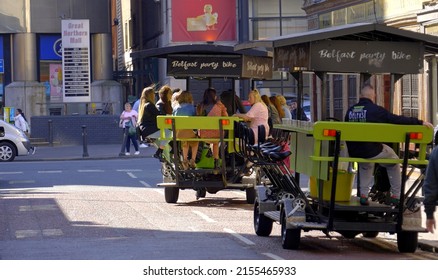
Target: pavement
x,y
427,241
79,152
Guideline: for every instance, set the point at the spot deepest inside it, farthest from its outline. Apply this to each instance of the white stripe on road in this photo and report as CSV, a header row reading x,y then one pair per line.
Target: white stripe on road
x,y
90,170
240,237
272,256
22,182
146,184
130,174
129,170
50,171
205,217
9,173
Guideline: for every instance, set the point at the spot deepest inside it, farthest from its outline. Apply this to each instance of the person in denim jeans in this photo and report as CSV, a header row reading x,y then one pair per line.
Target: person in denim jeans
x,y
128,118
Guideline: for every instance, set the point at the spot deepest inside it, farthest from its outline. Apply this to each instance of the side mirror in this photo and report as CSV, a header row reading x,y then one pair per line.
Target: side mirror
x,y
2,131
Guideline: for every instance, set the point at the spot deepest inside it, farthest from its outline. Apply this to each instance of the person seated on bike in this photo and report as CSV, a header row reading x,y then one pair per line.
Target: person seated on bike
x,y
257,115
147,119
367,111
211,106
185,108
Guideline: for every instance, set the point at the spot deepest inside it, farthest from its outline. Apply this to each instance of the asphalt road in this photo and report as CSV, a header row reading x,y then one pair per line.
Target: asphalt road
x,y
111,210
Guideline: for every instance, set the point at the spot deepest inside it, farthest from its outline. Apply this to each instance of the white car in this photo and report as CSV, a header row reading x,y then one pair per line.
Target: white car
x,y
13,142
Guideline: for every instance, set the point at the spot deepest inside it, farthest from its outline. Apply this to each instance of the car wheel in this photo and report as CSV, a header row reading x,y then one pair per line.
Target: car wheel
x,y
262,224
407,241
7,152
171,194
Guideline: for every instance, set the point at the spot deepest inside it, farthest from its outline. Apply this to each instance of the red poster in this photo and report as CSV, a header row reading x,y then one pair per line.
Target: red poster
x,y
203,20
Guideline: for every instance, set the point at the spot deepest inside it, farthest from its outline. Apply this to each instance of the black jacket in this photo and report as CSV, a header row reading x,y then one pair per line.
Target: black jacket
x,y
366,111
148,122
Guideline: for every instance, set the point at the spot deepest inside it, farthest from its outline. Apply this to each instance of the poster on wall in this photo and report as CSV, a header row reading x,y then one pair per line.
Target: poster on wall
x,y
55,82
203,20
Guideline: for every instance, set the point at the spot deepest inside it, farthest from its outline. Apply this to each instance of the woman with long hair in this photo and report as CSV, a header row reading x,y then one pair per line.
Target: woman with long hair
x,y
211,106
147,119
276,102
164,104
257,115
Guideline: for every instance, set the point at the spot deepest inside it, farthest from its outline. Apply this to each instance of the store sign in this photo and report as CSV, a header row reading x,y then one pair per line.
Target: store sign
x,y
50,47
2,68
76,60
292,58
367,57
204,66
256,67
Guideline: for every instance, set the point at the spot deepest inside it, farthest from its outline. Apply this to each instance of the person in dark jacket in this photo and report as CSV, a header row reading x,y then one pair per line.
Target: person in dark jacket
x,y
367,111
430,188
147,119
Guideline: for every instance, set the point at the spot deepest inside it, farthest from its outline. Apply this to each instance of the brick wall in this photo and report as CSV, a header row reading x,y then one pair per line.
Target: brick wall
x,y
67,130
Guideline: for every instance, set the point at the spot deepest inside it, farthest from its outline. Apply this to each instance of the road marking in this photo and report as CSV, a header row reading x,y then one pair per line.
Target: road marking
x,y
146,184
129,170
46,207
22,182
9,173
272,256
130,174
50,171
26,233
205,217
52,232
238,236
90,170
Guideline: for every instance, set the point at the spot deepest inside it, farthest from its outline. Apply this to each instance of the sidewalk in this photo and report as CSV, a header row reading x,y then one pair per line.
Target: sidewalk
x,y
59,152
427,241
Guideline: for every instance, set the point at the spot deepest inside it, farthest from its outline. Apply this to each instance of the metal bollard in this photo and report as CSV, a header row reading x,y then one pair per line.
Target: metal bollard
x,y
50,133
84,141
125,138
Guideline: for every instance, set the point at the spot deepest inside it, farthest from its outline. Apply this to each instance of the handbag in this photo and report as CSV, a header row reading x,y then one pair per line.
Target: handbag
x,y
132,130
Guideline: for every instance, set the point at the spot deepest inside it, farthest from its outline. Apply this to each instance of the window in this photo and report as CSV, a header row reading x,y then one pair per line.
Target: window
x,y
410,96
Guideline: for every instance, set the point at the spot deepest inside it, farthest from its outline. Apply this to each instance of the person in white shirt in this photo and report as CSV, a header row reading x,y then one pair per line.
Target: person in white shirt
x,y
19,121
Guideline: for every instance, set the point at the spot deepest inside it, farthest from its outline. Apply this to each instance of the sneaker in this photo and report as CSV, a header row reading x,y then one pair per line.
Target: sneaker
x,y
364,201
143,145
127,154
137,153
394,201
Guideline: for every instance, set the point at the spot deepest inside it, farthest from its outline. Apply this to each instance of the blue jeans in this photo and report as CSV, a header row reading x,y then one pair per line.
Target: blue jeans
x,y
129,139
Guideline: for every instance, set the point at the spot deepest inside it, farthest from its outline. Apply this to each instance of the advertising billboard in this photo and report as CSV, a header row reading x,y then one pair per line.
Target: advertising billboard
x,y
204,20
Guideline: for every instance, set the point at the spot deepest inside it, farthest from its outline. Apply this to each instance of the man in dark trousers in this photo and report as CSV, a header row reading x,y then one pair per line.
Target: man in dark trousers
x,y
430,188
367,111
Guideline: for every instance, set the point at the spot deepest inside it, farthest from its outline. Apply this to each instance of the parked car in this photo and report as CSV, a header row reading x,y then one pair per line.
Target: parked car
x,y
13,142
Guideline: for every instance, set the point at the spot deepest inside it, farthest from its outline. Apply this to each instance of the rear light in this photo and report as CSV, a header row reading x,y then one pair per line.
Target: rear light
x,y
225,122
329,132
168,121
416,135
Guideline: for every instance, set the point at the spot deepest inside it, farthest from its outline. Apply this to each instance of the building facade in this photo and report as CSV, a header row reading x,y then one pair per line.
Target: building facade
x,y
161,23
31,70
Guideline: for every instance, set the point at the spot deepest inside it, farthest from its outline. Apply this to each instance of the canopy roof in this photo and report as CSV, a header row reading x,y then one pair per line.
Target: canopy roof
x,y
357,48
197,49
212,60
353,32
